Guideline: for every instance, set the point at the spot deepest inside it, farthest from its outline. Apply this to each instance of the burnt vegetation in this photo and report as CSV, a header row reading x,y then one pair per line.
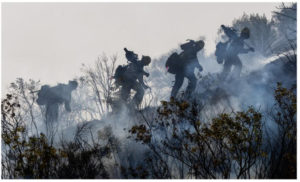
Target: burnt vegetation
x,y
176,144
175,139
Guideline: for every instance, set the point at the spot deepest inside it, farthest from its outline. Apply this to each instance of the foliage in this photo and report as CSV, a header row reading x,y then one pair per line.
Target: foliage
x,y
283,145
26,93
285,19
99,79
178,144
34,157
273,36
262,32
231,142
232,145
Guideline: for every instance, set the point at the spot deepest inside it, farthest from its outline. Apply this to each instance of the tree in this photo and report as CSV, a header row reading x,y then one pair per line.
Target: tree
x,y
99,80
229,145
35,157
262,32
283,140
285,20
25,91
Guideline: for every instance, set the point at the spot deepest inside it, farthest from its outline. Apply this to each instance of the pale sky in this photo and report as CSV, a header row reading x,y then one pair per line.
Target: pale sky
x,y
50,41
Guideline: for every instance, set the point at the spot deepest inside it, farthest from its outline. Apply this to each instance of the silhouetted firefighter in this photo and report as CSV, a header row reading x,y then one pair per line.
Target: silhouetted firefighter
x,y
228,52
131,77
183,65
52,97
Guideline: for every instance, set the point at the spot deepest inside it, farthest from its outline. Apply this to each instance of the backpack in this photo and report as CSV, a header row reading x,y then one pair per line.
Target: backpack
x,y
42,95
173,63
220,52
131,56
221,47
120,73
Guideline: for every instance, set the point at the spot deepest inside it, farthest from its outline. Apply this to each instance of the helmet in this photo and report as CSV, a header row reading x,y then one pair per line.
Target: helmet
x,y
200,44
245,33
146,60
73,84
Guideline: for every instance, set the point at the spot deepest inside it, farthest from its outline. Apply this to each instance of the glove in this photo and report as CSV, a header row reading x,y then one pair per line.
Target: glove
x,y
145,87
200,68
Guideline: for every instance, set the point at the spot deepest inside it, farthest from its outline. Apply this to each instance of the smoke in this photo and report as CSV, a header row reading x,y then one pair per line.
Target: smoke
x,y
254,88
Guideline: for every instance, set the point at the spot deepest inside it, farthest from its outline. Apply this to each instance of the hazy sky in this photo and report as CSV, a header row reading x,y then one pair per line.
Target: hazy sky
x,y
50,41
